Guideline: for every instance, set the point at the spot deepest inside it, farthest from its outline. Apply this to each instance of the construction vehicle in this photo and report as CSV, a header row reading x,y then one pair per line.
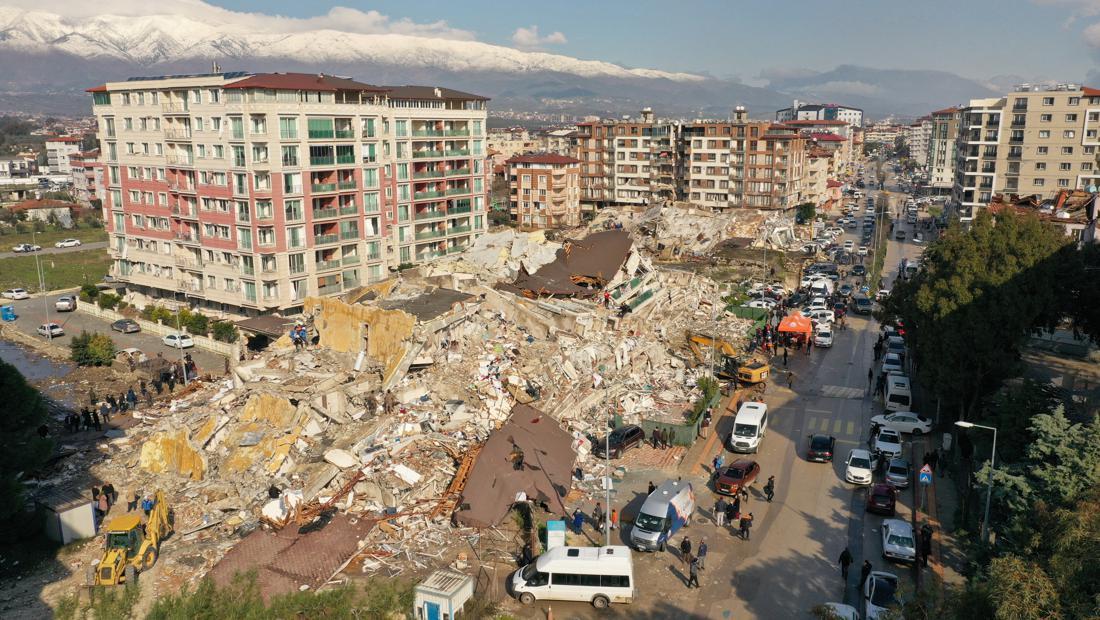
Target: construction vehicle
x,y
727,365
132,546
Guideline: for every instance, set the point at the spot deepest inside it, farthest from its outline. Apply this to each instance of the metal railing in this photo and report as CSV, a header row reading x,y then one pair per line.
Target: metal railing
x,y
426,154
328,264
329,289
430,234
170,108
322,187
429,194
428,214
322,160
349,210
458,230
325,239
454,191
349,234
320,214
349,260
346,185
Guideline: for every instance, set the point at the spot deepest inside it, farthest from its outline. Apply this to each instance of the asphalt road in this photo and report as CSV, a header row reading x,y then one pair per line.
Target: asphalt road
x,y
98,245
32,313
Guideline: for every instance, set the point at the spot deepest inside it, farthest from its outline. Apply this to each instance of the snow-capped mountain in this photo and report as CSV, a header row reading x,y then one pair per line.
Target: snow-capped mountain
x,y
154,39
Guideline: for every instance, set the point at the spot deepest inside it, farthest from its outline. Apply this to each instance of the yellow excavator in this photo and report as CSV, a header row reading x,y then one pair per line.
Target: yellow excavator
x,y
132,546
727,365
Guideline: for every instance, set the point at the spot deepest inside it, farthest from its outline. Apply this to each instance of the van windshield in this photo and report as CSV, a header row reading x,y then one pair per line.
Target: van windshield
x,y
650,523
900,399
744,430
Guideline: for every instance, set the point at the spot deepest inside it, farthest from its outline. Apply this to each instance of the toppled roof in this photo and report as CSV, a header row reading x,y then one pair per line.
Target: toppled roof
x,y
431,92
1068,207
833,183
427,306
49,203
492,485
580,269
302,81
543,158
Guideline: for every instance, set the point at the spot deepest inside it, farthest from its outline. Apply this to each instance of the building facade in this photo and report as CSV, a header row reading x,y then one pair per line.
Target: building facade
x,y
800,111
248,192
87,177
58,150
941,150
918,136
545,190
1031,142
18,167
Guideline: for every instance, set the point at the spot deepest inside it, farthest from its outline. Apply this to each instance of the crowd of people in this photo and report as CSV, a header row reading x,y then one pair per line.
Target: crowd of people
x,y
100,408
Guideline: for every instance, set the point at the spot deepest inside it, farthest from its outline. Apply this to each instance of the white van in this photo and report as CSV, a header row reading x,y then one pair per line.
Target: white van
x,y
898,396
599,575
667,509
749,427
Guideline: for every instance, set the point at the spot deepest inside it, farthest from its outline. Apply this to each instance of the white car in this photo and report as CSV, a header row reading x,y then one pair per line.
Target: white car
x,y
50,330
67,243
891,362
849,244
764,302
808,281
835,230
897,541
860,466
823,337
887,443
16,293
840,611
824,317
918,237
880,594
904,422
882,294
65,304
862,251
178,341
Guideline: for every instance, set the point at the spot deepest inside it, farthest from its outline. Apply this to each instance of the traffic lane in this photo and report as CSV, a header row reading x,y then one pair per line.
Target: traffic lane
x,y
32,313
96,245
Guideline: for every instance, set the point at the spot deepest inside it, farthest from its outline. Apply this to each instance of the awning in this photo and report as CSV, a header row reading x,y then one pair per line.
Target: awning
x,y
796,323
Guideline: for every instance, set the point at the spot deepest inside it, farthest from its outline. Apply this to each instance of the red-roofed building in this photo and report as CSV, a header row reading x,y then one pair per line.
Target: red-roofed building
x,y
42,210
545,190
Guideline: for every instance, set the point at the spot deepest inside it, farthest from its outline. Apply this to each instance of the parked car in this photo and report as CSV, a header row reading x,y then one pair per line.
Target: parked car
x,y
131,354
904,422
859,466
887,443
840,611
736,476
126,326
882,294
178,341
619,441
880,594
67,243
899,234
820,316
26,247
882,499
862,251
859,270
898,473
897,541
820,448
16,293
763,302
845,290
891,362
66,303
52,330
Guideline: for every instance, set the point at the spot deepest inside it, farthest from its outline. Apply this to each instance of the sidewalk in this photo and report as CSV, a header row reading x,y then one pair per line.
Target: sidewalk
x,y
947,560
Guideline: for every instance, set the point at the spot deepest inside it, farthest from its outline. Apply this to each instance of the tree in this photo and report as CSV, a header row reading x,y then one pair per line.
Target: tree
x,y
806,212
93,349
22,449
1022,590
974,302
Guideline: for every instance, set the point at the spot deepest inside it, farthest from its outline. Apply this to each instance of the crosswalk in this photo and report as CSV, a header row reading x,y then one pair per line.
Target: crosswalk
x,y
842,391
835,427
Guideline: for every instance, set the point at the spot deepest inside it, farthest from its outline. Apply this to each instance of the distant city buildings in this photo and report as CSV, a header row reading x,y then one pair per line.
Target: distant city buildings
x,y
544,190
58,150
918,135
801,111
87,177
249,192
18,167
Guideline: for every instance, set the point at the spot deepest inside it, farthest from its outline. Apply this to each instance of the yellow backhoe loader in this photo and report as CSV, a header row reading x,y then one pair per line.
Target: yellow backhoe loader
x,y
132,546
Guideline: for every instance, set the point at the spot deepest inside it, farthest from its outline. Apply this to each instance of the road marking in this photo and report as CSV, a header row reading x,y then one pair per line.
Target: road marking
x,y
824,411
810,423
836,427
851,427
841,391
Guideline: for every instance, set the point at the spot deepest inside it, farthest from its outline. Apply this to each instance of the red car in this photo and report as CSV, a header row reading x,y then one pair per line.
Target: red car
x,y
882,498
735,476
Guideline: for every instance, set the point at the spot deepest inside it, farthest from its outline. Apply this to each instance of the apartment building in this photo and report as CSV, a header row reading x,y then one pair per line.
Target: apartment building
x,y
18,167
545,190
58,150
941,150
1029,142
248,192
87,177
918,136
801,111
884,132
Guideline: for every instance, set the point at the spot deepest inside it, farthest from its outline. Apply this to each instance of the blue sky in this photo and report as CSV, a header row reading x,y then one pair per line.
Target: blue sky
x,y
744,38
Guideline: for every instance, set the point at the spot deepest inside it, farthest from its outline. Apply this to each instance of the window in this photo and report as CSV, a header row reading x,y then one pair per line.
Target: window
x,y
258,124
268,263
292,209
297,263
1048,100
1041,150
296,237
1071,118
1074,101
1038,182
1069,134
401,128
288,128
265,235
1067,150
1044,133
1046,118
367,127
370,177
321,128
290,156
370,202
1064,166
1089,150
1086,166
1040,165
1063,182
264,210
244,238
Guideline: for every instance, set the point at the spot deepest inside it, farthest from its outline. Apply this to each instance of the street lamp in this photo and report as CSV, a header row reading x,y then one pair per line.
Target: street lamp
x,y
992,464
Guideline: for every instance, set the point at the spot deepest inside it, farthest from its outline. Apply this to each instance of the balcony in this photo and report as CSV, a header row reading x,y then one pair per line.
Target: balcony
x,y
455,249
457,210
292,189
318,188
248,271
430,234
320,214
322,160
186,214
424,195
441,133
321,134
430,255
426,154
194,264
457,153
374,256
349,235
326,239
179,107
346,185
325,265
194,237
180,160
349,260
428,214
190,285
455,191
177,134
344,134
458,230
349,210
429,174
329,289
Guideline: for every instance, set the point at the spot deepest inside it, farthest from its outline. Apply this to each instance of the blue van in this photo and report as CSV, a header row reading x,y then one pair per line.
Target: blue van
x,y
665,511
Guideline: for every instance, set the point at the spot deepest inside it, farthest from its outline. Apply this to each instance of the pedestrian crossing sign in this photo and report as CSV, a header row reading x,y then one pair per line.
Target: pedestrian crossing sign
x,y
926,475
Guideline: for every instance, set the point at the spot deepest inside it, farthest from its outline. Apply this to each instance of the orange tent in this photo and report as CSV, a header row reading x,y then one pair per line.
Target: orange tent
x,y
795,322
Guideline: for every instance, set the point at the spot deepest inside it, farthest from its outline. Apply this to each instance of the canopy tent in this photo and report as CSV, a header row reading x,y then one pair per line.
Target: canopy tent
x,y
796,323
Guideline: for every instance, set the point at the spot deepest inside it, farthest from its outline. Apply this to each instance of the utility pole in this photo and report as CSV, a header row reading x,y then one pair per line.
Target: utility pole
x,y
179,343
42,288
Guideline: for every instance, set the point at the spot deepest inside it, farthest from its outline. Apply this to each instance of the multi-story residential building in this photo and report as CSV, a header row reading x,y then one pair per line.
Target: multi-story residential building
x,y
941,150
17,167
800,111
87,177
545,190
58,150
1030,142
248,192
884,132
918,136
561,141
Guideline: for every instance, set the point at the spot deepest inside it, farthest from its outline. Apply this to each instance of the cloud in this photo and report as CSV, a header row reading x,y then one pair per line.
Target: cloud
x,y
339,18
1080,10
843,87
529,38
778,74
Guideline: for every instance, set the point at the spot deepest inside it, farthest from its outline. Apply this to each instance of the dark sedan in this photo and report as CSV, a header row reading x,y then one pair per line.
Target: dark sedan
x,y
736,476
859,270
619,441
126,326
882,499
821,448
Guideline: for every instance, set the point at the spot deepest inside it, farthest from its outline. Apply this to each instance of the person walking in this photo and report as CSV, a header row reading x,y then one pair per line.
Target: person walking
x,y
845,561
784,357
702,555
746,526
685,550
578,520
865,572
95,421
717,462
693,573
597,517
132,505
925,544
790,381
870,379
731,513
131,397
720,511
389,402
613,519
769,489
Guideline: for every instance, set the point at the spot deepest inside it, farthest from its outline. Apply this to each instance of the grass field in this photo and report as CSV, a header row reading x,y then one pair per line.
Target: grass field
x,y
48,238
59,270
